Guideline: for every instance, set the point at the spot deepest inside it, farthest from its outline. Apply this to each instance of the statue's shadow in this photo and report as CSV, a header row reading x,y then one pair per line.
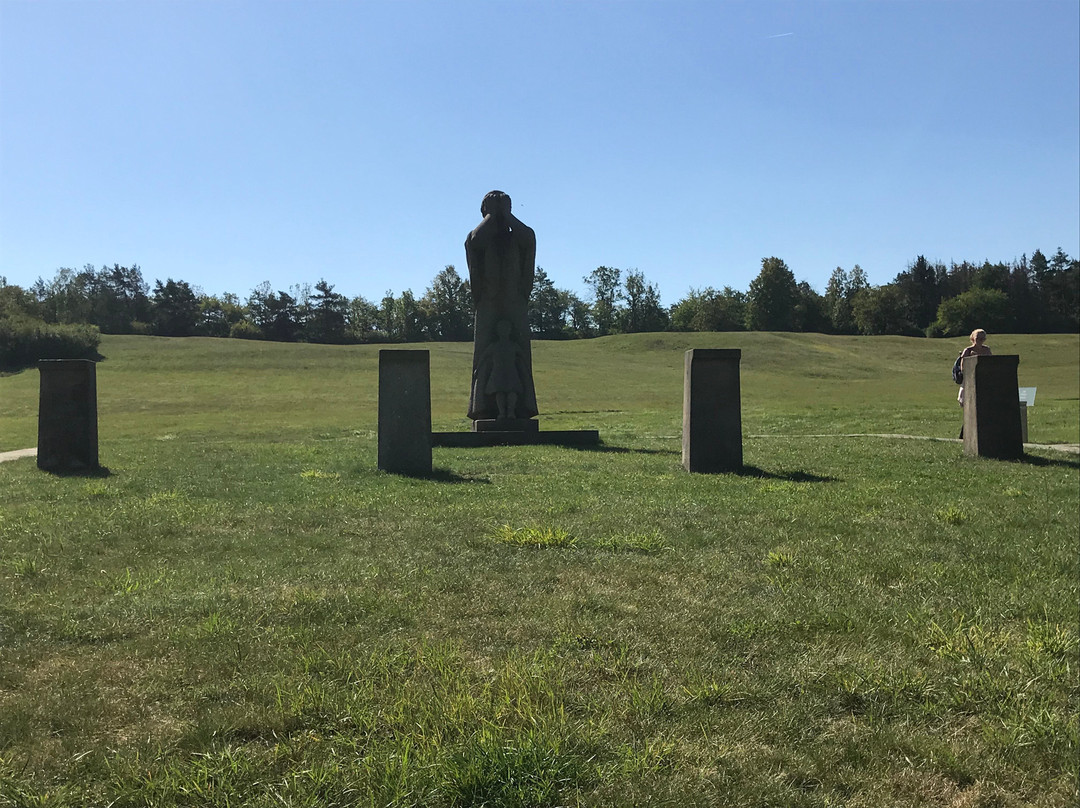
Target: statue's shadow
x,y
603,448
441,475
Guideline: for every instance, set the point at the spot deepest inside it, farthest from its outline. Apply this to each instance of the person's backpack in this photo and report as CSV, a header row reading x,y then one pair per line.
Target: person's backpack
x,y
957,371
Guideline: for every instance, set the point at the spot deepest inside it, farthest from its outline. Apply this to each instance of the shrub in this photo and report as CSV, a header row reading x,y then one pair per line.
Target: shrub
x,y
24,340
245,330
975,308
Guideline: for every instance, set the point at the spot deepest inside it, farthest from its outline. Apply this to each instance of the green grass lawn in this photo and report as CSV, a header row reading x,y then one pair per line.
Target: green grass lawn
x,y
245,612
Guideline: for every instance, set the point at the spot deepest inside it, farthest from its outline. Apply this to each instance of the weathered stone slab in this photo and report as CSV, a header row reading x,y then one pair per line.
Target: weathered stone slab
x,y
712,411
67,416
405,412
992,426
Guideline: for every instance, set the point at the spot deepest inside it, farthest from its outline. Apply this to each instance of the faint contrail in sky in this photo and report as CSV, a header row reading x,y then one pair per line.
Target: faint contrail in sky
x,y
775,36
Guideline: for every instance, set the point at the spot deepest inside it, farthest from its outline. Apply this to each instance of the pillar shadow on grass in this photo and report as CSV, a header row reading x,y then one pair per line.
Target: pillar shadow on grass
x,y
788,476
1050,462
604,448
438,475
100,472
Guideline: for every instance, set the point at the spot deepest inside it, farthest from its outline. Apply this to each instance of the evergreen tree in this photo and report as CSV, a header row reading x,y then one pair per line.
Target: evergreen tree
x,y
175,309
329,311
772,297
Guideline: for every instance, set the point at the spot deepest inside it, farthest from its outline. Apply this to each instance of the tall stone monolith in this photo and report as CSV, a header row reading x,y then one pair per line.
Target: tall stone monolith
x,y
67,416
992,425
712,411
405,412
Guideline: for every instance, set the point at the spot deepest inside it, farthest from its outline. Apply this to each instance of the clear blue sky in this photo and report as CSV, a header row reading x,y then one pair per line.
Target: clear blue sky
x,y
228,143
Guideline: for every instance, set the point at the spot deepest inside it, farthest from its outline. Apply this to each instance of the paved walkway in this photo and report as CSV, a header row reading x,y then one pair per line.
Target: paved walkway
x,y
17,454
1072,448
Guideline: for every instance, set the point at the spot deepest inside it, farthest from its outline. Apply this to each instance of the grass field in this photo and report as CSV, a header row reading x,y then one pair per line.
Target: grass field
x,y
243,611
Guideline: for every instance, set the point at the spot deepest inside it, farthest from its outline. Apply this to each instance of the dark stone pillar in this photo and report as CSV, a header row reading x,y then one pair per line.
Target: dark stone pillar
x,y
992,407
405,412
67,416
712,411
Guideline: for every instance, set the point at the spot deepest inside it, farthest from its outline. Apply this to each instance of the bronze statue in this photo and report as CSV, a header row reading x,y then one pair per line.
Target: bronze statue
x,y
501,254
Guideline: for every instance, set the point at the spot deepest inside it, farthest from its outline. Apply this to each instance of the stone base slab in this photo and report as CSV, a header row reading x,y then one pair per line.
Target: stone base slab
x,y
556,437
505,425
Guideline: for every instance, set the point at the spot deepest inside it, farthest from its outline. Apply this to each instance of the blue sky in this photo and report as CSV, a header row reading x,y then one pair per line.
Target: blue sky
x,y
228,143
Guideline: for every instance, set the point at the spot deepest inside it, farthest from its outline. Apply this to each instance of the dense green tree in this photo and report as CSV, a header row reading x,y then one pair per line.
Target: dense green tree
x,y
643,311
363,321
274,314
991,276
548,308
710,310
174,310
975,308
605,283
329,313
772,298
410,319
120,299
839,296
1023,298
811,314
881,310
920,292
447,307
580,315
1060,293
67,297
388,320
218,315
16,301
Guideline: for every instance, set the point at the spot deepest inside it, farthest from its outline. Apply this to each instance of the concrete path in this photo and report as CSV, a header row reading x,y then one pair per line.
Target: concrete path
x,y
17,454
1072,448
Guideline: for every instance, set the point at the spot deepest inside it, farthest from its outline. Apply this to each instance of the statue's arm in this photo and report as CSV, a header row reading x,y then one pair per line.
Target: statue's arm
x,y
527,241
475,243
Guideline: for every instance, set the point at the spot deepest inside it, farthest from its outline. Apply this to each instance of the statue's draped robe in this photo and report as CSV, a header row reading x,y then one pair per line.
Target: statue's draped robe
x,y
501,254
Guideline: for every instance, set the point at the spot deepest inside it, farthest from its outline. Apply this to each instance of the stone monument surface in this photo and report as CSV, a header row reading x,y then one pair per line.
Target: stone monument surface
x,y
712,411
501,254
992,426
67,416
405,412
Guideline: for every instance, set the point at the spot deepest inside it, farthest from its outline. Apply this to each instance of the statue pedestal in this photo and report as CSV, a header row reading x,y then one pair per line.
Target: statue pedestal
x,y
494,432
505,425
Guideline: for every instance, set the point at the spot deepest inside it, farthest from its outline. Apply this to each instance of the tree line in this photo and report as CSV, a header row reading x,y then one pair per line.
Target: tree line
x,y
1031,295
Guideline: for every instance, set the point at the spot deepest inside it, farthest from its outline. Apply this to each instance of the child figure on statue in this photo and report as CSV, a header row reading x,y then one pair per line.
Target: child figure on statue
x,y
504,358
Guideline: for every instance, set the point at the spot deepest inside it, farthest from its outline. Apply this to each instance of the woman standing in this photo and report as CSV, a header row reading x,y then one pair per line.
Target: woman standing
x,y
978,347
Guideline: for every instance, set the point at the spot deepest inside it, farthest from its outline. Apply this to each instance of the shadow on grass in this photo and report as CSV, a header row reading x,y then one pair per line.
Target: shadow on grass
x,y
100,472
604,448
788,476
1052,462
444,476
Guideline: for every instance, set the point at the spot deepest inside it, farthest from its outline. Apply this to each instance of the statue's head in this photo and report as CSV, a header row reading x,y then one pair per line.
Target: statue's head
x,y
495,202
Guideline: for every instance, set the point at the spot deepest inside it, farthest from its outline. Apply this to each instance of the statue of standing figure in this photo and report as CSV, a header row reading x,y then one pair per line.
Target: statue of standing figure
x,y
501,254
